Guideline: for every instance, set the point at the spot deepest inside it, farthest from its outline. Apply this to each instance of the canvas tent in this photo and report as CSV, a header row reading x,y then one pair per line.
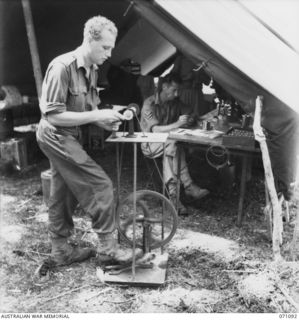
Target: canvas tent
x,y
249,47
245,54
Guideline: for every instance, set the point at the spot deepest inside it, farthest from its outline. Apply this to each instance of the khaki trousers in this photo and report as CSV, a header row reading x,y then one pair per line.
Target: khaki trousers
x,y
170,163
76,178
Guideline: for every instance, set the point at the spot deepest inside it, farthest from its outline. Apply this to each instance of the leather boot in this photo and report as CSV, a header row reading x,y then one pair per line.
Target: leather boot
x,y
64,254
182,210
196,192
109,250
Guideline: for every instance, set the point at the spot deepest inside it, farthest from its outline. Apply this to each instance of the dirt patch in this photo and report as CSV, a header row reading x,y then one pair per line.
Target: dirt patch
x,y
256,287
224,248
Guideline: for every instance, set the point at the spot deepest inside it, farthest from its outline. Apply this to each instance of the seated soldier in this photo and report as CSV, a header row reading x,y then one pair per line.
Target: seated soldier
x,y
163,112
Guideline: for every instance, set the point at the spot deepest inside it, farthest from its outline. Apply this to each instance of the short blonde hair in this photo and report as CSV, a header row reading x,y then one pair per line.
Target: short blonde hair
x,y
94,27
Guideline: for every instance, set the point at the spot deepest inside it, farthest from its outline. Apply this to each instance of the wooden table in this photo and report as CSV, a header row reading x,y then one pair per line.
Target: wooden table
x,y
204,142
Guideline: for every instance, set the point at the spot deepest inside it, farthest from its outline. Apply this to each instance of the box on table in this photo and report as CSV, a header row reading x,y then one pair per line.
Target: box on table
x,y
239,137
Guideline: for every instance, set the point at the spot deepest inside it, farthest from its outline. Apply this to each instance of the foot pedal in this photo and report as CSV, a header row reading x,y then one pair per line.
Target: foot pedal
x,y
147,273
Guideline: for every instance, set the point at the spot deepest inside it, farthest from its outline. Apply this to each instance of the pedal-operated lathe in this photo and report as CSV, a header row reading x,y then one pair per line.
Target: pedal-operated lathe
x,y
145,219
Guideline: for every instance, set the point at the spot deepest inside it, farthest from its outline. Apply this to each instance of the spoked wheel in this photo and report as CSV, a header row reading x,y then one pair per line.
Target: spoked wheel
x,y
156,219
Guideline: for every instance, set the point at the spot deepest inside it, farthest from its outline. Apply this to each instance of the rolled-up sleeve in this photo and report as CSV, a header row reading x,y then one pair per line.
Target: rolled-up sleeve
x,y
148,118
55,89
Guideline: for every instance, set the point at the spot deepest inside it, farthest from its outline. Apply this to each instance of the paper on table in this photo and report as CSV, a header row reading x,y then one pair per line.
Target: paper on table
x,y
211,134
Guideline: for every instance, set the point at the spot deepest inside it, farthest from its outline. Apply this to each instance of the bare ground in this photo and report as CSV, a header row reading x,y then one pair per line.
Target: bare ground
x,y
214,266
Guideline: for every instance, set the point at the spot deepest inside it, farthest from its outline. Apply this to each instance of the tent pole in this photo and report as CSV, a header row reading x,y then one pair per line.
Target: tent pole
x,y
276,207
33,46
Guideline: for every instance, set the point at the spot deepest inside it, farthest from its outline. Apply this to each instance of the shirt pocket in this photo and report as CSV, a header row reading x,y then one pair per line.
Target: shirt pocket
x,y
76,98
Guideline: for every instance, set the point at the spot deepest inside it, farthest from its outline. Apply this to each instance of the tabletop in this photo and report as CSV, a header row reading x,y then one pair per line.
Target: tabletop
x,y
139,137
207,138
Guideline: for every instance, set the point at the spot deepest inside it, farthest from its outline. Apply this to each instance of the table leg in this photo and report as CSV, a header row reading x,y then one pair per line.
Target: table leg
x,y
178,184
163,171
117,174
242,190
134,210
163,192
117,181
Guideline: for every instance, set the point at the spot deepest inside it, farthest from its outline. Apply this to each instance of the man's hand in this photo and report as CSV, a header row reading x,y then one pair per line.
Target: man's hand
x,y
108,119
183,120
110,127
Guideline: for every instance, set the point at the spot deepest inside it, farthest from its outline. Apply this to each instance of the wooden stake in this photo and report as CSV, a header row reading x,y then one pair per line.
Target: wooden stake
x,y
277,214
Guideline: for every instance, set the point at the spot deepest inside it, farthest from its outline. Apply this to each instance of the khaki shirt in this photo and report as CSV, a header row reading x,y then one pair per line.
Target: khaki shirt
x,y
67,88
148,118
171,112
